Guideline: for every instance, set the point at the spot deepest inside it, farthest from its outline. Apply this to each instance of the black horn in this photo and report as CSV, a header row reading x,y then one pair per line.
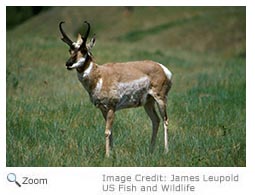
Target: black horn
x,y
65,37
84,39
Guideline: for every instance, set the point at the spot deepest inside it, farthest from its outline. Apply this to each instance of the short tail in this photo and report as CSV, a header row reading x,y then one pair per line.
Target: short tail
x,y
167,72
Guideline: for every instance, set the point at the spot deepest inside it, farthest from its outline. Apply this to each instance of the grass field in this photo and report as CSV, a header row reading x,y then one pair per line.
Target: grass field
x,y
51,122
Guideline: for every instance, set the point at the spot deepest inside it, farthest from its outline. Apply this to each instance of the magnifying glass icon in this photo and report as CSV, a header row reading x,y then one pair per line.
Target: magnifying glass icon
x,y
11,177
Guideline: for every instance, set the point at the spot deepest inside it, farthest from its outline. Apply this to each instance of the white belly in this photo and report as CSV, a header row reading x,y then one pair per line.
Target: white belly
x,y
133,93
122,95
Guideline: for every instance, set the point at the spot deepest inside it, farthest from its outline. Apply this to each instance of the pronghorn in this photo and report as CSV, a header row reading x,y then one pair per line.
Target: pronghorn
x,y
114,86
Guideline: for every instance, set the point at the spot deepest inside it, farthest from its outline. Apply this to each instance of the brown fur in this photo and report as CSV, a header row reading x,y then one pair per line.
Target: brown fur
x,y
114,73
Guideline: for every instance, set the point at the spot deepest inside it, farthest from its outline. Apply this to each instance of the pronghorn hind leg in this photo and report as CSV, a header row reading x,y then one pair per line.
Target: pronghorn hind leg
x,y
109,117
150,110
162,109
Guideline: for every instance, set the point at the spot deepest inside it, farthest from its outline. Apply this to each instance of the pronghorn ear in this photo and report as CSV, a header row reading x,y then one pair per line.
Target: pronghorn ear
x,y
92,43
79,39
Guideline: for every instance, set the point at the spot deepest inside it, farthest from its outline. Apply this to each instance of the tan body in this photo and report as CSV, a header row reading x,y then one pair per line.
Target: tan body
x,y
108,83
116,86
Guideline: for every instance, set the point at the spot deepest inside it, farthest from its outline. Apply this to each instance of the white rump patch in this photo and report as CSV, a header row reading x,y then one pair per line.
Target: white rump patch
x,y
166,71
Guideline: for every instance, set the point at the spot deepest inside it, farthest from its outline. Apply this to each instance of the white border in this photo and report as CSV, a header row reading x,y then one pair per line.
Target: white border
x,y
126,3
89,180
3,87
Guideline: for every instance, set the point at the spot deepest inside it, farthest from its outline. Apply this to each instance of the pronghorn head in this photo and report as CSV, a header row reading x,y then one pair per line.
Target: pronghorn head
x,y
79,50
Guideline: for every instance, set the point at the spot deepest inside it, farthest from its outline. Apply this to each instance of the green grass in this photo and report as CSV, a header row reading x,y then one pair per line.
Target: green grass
x,y
51,122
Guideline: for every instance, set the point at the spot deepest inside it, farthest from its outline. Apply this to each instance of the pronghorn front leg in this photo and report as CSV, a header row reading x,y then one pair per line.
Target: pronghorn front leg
x,y
109,117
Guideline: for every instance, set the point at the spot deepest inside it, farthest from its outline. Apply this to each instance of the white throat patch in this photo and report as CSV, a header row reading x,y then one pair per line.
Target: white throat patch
x,y
88,70
86,73
79,63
